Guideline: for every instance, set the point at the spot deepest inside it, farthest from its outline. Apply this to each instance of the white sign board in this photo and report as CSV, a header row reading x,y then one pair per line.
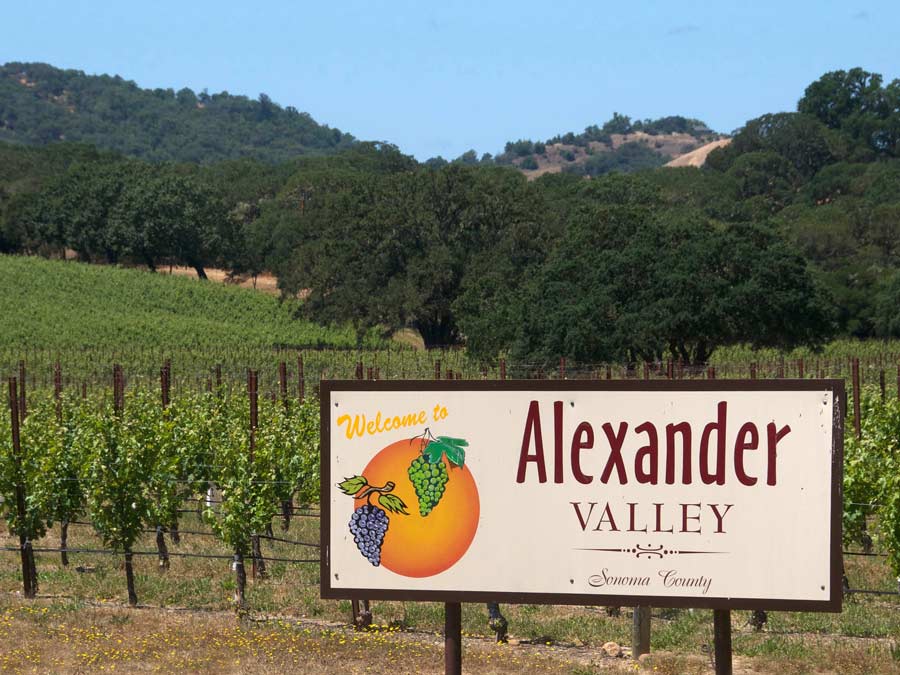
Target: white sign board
x,y
703,494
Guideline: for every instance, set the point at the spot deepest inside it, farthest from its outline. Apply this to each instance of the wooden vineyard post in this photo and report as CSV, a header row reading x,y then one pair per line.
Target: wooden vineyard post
x,y
562,367
23,413
301,379
162,550
24,549
283,383
164,386
23,405
857,427
881,383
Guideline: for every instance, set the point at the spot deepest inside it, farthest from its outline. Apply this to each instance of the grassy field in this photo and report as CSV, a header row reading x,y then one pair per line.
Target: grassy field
x,y
185,622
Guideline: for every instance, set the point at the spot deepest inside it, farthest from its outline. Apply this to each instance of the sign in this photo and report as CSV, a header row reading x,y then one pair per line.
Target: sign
x,y
676,493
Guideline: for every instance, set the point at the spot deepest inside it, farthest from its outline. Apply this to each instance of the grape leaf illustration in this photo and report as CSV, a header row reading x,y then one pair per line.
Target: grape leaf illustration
x,y
350,486
455,452
392,503
434,451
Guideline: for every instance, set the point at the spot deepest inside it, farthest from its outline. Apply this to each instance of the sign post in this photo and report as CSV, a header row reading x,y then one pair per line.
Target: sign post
x,y
720,494
722,640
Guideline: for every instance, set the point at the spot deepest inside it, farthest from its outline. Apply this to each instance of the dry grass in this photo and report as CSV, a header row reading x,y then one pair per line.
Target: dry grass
x,y
186,623
698,156
77,639
265,282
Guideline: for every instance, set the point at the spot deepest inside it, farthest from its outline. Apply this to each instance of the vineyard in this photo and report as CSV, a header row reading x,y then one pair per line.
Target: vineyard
x,y
117,309
168,490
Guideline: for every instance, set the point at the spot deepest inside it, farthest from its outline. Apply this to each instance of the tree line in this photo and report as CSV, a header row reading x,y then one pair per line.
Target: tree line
x,y
790,235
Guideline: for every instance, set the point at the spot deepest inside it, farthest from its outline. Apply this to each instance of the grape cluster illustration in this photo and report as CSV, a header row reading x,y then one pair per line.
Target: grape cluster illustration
x,y
368,524
428,472
430,481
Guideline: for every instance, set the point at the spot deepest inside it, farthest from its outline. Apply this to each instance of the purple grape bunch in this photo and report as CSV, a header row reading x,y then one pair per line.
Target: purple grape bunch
x,y
368,525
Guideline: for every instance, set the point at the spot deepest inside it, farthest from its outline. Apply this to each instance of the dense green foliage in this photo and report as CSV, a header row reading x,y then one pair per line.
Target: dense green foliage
x,y
627,158
788,237
41,104
131,470
872,477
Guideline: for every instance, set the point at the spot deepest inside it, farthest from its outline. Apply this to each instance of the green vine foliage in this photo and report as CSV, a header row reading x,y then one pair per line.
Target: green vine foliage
x,y
246,479
58,485
872,476
133,470
118,469
38,437
296,441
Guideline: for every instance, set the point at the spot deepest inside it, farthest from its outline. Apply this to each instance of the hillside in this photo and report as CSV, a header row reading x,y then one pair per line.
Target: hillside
x,y
624,152
69,305
620,144
41,104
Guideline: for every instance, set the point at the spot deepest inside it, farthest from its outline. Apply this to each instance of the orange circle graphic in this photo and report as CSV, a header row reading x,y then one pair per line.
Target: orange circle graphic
x,y
417,546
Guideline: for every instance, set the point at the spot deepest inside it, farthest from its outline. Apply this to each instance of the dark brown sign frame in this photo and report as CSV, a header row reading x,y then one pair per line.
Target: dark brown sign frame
x,y
832,604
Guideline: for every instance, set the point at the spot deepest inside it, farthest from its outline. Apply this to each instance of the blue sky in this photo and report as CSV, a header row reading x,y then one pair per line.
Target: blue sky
x,y
438,79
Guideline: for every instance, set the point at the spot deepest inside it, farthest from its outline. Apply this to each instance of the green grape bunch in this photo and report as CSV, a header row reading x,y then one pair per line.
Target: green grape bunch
x,y
428,472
